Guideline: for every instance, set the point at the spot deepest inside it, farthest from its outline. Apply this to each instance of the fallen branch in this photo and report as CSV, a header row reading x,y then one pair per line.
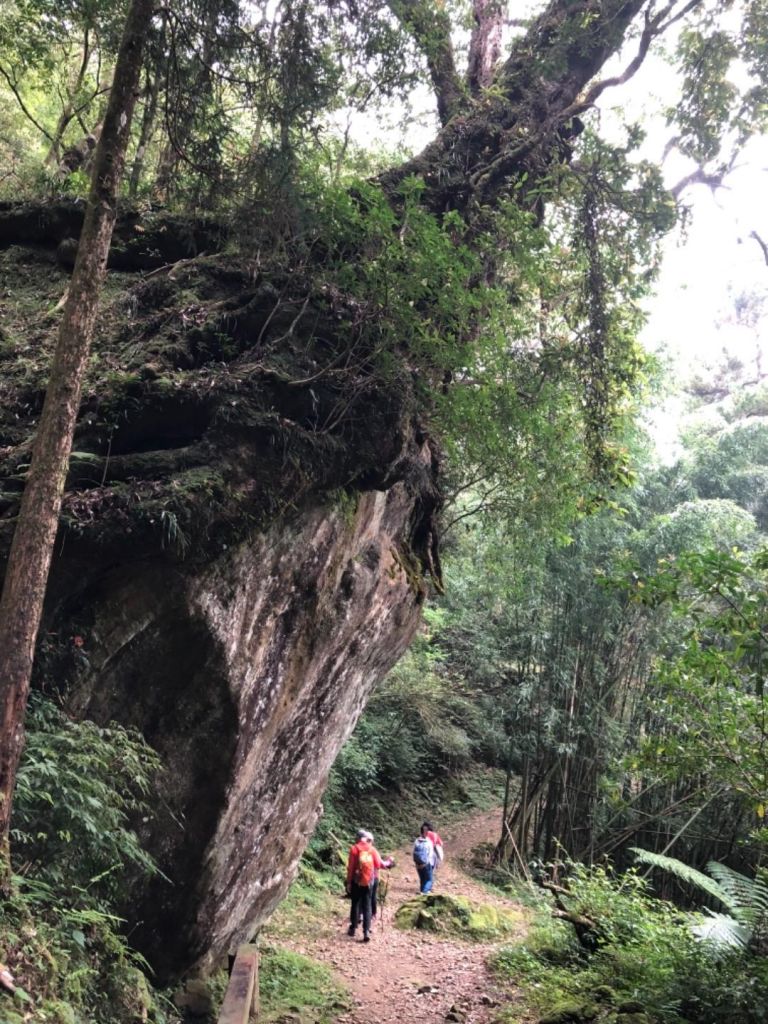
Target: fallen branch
x,y
577,920
587,930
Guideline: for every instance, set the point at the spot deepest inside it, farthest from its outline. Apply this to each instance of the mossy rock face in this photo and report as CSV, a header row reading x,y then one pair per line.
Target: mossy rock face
x,y
605,994
456,915
204,486
130,996
629,1012
50,1011
58,1012
197,1000
574,1013
569,1013
11,1016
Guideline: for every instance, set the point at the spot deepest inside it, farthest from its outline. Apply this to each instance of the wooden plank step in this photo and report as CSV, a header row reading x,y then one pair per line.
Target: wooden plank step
x,y
241,1001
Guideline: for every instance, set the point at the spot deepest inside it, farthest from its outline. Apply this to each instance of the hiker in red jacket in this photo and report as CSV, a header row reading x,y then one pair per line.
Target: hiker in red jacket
x,y
363,865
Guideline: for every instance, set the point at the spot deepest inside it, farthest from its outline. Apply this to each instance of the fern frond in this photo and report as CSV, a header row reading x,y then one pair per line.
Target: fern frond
x,y
686,873
748,896
722,930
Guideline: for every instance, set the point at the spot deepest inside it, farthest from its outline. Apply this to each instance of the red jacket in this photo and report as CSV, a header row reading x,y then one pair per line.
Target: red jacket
x,y
437,842
354,852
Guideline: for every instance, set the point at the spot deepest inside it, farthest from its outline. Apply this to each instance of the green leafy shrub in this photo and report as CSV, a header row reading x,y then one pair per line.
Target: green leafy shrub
x,y
746,899
73,851
79,786
646,955
71,964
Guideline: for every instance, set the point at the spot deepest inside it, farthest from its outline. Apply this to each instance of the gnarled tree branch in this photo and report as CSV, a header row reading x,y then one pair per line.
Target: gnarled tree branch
x,y
12,84
712,179
485,44
524,126
430,27
654,26
762,243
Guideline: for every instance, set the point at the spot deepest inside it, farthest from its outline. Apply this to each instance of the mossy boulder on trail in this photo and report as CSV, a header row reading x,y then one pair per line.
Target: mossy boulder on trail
x,y
457,916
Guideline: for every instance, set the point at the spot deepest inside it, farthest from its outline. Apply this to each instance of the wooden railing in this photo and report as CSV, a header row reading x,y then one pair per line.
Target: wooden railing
x,y
241,1001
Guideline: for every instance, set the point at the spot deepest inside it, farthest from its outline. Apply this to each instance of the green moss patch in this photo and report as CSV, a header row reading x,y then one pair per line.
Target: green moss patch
x,y
308,904
457,916
295,988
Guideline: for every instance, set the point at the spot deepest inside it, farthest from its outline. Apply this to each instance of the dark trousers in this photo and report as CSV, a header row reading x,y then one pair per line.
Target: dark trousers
x,y
374,903
361,904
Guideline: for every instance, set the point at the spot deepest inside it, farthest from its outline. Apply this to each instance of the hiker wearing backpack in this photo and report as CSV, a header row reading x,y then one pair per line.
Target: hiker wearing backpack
x,y
389,862
437,842
424,859
363,864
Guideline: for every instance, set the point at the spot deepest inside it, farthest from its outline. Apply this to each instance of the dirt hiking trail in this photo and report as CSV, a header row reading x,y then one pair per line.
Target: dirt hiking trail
x,y
402,976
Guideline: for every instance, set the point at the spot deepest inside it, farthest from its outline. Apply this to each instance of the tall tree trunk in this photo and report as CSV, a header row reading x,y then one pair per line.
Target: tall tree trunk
x,y
155,75
26,574
522,839
523,128
69,111
501,846
147,127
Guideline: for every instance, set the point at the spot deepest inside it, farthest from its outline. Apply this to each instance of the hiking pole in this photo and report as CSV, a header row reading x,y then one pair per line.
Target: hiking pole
x,y
382,897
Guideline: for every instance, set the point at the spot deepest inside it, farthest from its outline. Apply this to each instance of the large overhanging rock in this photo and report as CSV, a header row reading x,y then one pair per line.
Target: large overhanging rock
x,y
248,518
247,675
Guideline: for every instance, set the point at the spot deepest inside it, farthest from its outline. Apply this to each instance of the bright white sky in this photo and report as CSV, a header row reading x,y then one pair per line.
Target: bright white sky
x,y
701,274
715,260
706,265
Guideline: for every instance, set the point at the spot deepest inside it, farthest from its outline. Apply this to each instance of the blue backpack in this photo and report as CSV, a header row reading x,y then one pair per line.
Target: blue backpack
x,y
422,852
